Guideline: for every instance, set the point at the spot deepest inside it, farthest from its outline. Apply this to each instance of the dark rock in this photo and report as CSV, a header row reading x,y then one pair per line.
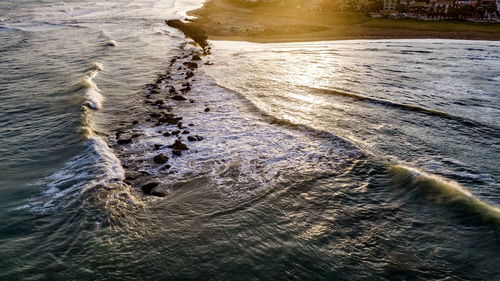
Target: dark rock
x,y
165,167
179,98
178,145
131,176
186,89
191,125
196,57
158,102
158,194
192,31
176,132
207,109
185,132
180,126
172,90
195,138
169,118
157,146
148,188
189,74
160,158
166,134
177,152
155,114
135,122
124,141
191,100
209,63
191,65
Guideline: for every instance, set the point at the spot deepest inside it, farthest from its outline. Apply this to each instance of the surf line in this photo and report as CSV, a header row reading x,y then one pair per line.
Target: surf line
x,y
409,107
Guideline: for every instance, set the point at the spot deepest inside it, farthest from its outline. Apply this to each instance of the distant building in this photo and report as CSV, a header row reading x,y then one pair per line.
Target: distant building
x,y
406,4
444,5
390,5
467,2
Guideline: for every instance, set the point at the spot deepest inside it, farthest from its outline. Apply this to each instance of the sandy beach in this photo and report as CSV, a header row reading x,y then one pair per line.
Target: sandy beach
x,y
227,20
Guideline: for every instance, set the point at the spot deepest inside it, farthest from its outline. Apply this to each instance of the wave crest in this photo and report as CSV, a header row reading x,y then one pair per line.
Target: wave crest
x,y
444,192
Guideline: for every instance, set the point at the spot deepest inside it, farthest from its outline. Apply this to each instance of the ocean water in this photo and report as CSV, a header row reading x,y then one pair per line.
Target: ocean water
x,y
343,160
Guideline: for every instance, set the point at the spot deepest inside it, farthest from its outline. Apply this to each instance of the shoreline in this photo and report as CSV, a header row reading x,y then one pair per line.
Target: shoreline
x,y
226,21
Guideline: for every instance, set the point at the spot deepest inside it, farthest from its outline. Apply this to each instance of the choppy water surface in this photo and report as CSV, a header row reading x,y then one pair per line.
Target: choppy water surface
x,y
353,160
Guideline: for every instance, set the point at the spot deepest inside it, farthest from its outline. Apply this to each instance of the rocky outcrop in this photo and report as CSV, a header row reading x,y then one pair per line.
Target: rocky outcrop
x,y
148,188
179,145
192,31
160,158
179,98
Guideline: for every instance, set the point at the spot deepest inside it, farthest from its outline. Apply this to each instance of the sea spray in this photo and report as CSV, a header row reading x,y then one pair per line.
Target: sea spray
x,y
92,93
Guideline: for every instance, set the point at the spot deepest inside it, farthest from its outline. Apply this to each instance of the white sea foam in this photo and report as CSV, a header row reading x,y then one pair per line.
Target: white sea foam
x,y
242,153
95,165
93,95
94,98
111,43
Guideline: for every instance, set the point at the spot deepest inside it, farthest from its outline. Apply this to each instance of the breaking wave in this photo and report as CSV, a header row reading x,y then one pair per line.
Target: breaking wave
x,y
411,107
94,175
93,96
443,191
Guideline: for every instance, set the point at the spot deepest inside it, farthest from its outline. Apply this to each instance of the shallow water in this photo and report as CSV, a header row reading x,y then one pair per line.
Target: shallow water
x,y
348,160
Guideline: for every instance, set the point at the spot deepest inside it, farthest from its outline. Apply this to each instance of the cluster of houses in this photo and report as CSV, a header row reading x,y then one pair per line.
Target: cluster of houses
x,y
478,10
482,10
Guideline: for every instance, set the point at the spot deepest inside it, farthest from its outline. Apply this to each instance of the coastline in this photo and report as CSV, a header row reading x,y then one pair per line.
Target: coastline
x,y
224,20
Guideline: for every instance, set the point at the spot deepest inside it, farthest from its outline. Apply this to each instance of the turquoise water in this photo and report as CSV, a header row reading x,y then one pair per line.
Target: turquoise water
x,y
347,160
